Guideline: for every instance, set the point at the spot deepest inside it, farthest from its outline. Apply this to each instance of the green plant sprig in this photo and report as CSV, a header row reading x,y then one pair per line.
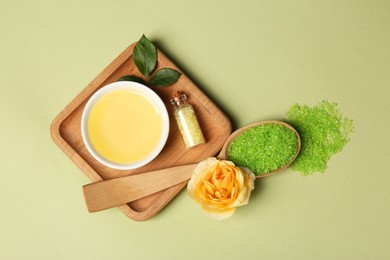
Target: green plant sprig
x,y
145,59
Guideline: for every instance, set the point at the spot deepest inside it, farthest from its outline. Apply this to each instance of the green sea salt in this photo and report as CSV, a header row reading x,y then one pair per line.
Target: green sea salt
x,y
324,131
264,148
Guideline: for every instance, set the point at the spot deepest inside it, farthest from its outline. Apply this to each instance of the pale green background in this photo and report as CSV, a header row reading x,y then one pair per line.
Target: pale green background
x,y
255,59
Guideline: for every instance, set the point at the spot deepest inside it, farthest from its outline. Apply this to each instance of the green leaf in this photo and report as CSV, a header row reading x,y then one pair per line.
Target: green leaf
x,y
131,78
164,77
145,56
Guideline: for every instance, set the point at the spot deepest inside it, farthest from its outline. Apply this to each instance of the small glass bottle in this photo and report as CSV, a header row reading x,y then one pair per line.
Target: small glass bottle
x,y
186,120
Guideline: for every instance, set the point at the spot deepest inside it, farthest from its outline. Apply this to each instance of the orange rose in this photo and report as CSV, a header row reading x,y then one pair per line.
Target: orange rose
x,y
220,186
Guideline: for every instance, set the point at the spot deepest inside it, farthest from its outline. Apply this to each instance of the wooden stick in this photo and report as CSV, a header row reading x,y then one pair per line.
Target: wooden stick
x,y
116,192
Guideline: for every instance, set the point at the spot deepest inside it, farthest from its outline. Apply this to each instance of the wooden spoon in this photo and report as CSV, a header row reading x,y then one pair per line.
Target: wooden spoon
x,y
116,192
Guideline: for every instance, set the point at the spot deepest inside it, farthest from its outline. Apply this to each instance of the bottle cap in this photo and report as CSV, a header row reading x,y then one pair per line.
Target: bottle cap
x,y
178,98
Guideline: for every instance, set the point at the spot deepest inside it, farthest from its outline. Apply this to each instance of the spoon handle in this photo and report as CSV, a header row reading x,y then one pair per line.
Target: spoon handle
x,y
116,192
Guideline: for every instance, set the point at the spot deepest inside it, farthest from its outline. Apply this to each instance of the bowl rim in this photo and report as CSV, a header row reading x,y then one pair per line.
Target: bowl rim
x,y
129,85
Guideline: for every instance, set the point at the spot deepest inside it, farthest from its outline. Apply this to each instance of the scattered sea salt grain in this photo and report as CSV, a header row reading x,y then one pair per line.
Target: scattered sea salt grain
x,y
324,131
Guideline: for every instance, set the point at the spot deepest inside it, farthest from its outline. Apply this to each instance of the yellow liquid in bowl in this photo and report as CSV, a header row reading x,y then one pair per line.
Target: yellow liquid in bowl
x,y
125,126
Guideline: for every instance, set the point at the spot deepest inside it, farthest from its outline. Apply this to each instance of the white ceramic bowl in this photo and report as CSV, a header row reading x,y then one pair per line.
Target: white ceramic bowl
x,y
156,102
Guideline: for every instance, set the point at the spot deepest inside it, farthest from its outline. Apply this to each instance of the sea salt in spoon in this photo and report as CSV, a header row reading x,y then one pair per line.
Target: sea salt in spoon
x,y
116,192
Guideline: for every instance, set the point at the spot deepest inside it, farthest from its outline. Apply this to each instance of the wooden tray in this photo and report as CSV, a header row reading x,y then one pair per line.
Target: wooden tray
x,y
65,131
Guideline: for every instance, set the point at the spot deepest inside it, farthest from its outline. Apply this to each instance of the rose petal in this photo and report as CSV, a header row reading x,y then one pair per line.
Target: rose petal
x,y
209,187
220,214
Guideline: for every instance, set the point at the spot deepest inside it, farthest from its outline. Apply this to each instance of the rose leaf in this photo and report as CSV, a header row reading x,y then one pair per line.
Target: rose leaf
x,y
131,78
164,77
145,56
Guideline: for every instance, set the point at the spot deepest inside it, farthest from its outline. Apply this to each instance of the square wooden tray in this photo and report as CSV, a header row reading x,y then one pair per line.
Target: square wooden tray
x,y
65,131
